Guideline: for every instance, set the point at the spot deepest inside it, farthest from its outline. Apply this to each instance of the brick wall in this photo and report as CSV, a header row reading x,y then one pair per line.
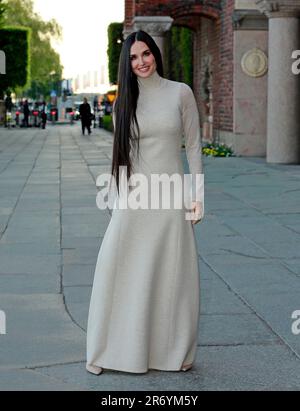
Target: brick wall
x,y
225,77
129,13
153,7
168,7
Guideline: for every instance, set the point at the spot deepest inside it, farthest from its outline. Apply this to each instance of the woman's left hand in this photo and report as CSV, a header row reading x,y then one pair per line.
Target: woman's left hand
x,y
197,210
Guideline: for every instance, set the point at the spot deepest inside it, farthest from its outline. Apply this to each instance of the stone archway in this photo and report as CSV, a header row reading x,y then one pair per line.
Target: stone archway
x,y
187,14
193,17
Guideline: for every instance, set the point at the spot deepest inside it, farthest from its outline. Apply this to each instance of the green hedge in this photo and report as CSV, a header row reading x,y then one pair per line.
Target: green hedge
x,y
15,43
115,41
107,122
178,61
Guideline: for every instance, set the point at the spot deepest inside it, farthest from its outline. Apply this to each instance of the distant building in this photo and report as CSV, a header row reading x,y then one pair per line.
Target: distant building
x,y
92,82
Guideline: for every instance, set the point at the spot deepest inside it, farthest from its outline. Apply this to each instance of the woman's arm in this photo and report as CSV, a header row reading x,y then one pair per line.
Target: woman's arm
x,y
193,145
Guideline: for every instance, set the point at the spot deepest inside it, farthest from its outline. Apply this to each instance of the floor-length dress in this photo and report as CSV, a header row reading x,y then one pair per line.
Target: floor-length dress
x,y
145,303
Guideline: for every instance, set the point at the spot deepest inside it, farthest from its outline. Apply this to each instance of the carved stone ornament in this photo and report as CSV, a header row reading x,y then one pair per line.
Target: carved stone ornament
x,y
154,25
279,8
254,63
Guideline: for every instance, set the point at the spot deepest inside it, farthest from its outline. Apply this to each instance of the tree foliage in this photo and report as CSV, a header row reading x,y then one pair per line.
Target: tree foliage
x,y
2,10
46,68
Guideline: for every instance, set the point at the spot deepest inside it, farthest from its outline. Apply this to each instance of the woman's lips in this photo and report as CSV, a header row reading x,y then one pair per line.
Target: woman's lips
x,y
143,70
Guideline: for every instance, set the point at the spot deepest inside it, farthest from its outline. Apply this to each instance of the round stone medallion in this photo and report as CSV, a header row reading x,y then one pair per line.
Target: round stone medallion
x,y
254,63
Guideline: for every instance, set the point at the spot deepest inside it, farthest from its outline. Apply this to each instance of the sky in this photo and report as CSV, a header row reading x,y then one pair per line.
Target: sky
x,y
84,23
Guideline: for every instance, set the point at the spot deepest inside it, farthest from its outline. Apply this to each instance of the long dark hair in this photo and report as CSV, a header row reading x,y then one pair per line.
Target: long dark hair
x,y
125,104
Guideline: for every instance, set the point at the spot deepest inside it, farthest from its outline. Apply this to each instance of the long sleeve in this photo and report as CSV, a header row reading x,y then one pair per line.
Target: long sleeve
x,y
192,137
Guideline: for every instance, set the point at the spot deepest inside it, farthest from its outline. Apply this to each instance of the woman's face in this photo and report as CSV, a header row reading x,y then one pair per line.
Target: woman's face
x,y
142,60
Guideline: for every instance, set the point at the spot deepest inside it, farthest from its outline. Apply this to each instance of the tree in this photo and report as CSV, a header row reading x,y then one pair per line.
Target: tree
x,y
46,68
2,10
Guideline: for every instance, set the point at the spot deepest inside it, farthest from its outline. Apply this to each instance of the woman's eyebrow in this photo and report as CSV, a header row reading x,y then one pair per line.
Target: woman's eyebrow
x,y
132,55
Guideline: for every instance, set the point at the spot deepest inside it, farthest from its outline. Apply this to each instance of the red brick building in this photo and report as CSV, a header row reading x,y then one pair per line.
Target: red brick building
x,y
231,48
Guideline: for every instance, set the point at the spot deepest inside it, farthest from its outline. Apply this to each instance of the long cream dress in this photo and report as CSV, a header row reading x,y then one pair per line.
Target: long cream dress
x,y
145,304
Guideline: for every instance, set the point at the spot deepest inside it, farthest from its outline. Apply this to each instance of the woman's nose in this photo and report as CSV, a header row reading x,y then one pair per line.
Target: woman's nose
x,y
141,61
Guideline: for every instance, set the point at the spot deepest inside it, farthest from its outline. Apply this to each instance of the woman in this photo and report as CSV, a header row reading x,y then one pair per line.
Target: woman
x,y
144,306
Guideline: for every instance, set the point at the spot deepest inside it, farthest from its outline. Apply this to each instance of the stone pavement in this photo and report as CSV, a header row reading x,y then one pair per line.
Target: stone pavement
x,y
50,234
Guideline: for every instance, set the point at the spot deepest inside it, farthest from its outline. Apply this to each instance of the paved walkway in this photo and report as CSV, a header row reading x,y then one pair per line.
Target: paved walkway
x,y
50,234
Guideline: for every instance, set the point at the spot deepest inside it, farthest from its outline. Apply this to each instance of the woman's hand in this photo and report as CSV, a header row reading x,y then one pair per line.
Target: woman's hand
x,y
197,210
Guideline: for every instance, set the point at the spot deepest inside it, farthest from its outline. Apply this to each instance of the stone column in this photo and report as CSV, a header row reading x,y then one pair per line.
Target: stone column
x,y
283,124
156,26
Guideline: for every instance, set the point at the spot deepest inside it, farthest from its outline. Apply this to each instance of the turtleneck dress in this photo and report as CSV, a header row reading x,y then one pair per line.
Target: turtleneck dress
x,y
145,303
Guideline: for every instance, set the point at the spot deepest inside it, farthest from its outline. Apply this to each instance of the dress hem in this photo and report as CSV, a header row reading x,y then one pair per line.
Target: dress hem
x,y
130,370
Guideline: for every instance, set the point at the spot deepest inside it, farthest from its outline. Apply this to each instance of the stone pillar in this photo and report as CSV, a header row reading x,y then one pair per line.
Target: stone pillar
x,y
283,124
156,26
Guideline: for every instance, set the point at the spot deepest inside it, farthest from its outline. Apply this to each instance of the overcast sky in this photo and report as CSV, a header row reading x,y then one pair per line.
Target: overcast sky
x,y
84,22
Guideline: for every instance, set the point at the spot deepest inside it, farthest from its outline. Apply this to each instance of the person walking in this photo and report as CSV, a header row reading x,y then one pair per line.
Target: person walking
x,y
8,108
85,116
26,113
44,115
145,302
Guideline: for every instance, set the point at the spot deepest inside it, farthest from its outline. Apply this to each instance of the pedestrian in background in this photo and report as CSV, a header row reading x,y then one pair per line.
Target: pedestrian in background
x,y
8,106
85,116
44,115
26,112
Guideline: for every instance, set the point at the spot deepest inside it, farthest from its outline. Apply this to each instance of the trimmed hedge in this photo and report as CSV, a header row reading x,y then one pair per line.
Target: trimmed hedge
x,y
108,122
115,34
179,55
15,43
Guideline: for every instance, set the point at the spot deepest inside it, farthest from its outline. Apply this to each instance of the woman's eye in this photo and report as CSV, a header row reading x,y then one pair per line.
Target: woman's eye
x,y
147,53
